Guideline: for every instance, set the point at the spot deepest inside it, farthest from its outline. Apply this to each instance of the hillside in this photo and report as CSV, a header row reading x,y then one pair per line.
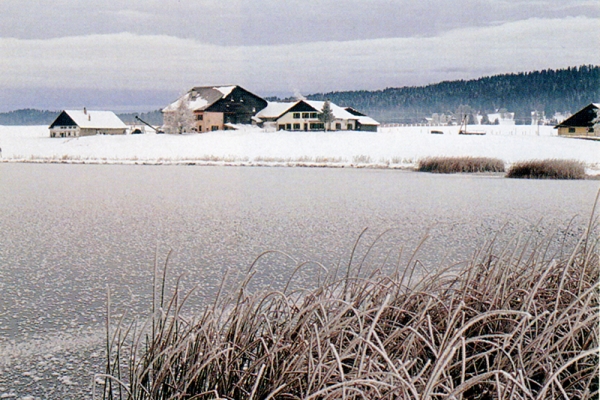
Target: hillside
x,y
563,90
28,116
43,117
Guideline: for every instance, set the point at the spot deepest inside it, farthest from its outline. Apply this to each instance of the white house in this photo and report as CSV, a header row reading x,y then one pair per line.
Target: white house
x,y
75,123
502,118
303,115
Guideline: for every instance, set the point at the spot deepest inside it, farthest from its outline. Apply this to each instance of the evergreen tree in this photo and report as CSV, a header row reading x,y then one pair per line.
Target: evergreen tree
x,y
326,115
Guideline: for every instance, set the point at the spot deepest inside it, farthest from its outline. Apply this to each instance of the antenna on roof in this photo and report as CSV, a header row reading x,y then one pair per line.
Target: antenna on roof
x,y
84,110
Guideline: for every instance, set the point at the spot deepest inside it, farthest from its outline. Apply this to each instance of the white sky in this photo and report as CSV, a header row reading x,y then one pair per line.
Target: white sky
x,y
132,54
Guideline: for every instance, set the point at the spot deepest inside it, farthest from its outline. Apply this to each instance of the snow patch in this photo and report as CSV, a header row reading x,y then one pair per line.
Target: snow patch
x,y
226,90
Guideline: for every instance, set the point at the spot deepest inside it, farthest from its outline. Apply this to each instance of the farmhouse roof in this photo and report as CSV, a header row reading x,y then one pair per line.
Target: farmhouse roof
x,y
583,117
275,109
338,112
199,98
94,119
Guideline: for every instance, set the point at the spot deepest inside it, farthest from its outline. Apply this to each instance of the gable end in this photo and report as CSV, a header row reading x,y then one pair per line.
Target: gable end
x,y
63,119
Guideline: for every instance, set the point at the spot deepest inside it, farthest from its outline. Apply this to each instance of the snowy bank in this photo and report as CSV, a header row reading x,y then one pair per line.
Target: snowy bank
x,y
394,147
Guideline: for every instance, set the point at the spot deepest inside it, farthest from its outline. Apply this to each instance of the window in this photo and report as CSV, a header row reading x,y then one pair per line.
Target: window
x,y
571,130
281,127
214,128
317,126
296,127
349,127
200,117
288,127
313,115
305,115
338,126
296,115
591,130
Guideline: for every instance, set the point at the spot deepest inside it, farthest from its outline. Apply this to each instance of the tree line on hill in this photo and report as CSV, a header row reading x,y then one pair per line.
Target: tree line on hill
x,y
547,91
31,116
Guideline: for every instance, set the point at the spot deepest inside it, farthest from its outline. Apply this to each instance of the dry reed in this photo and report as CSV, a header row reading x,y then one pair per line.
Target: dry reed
x,y
451,165
547,169
509,324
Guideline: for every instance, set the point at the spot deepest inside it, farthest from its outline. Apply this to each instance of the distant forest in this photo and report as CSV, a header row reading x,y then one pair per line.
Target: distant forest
x,y
548,91
42,117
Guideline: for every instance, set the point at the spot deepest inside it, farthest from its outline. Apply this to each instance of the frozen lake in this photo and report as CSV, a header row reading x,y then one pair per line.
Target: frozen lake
x,y
67,232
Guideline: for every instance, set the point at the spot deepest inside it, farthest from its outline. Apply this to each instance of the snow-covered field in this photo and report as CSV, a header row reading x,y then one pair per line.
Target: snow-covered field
x,y
391,147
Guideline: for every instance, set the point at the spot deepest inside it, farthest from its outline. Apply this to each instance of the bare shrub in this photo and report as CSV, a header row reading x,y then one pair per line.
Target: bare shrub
x,y
547,169
361,159
451,165
506,326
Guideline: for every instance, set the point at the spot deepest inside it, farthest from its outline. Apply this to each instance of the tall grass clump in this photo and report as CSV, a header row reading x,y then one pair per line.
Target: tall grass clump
x,y
547,169
451,165
509,324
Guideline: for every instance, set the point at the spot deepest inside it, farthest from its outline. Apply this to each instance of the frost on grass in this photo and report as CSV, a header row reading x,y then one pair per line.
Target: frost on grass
x,y
513,323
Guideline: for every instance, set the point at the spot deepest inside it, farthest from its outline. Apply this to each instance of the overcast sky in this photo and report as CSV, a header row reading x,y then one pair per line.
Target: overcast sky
x,y
139,55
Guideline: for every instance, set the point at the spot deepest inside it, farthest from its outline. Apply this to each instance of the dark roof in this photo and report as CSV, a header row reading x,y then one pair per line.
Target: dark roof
x,y
201,98
354,112
583,117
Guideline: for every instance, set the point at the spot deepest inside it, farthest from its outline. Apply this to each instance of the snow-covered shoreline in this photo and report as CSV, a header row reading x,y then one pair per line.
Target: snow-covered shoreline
x,y
393,147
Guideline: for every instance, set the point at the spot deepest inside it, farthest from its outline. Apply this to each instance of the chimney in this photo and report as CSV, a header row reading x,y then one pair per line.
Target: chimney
x,y
89,117
84,111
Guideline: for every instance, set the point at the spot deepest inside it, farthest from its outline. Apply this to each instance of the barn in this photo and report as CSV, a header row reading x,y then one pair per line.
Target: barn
x,y
75,123
211,108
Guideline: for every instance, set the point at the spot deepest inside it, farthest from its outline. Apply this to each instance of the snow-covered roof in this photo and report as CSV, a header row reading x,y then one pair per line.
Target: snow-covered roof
x,y
96,119
275,109
226,90
364,120
338,112
201,97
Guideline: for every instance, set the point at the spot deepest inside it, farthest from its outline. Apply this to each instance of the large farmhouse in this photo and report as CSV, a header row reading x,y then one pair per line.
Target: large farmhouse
x,y
581,123
303,115
212,108
74,123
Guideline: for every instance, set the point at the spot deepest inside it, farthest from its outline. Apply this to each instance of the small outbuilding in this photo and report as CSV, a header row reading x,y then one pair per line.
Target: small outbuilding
x,y
364,122
582,123
75,123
